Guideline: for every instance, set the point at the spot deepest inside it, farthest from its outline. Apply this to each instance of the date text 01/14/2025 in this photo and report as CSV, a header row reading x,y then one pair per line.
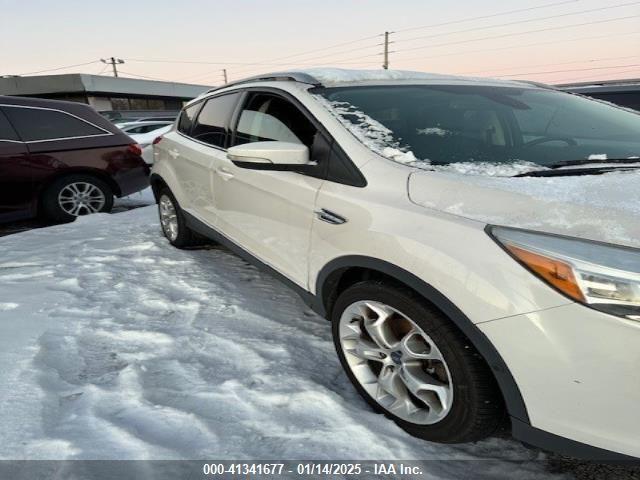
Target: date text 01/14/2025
x,y
311,468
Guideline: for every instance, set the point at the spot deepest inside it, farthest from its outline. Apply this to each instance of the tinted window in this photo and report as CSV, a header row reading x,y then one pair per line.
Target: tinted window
x,y
187,117
271,118
35,124
6,130
464,123
213,121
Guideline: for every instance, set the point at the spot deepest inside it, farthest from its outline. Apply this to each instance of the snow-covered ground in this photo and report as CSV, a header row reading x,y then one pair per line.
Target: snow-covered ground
x,y
115,345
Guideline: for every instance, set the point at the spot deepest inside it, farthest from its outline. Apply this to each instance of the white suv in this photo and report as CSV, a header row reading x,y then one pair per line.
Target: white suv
x,y
473,265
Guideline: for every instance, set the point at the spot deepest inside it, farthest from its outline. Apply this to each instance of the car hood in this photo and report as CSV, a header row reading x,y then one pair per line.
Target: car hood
x,y
596,207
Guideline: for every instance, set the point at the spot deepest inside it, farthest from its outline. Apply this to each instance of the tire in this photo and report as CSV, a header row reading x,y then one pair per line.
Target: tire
x,y
183,236
75,195
476,409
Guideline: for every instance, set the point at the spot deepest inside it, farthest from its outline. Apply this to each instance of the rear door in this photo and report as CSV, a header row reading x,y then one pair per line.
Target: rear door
x,y
204,129
16,175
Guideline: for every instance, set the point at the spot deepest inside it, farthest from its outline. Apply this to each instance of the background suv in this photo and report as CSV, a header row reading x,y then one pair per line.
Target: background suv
x,y
455,299
62,159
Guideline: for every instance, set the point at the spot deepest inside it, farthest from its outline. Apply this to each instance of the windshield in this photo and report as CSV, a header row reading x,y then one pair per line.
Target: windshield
x,y
485,124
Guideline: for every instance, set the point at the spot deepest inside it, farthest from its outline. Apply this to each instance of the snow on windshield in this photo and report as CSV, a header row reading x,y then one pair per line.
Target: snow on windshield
x,y
380,139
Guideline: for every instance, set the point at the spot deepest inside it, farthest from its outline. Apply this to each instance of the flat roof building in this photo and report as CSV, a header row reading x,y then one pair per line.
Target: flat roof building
x,y
102,92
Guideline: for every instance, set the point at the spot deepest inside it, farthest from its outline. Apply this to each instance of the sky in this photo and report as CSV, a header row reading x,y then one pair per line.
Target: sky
x,y
584,40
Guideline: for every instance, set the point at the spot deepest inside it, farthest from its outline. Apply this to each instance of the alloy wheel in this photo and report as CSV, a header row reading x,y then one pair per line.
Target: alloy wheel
x,y
396,362
81,198
168,218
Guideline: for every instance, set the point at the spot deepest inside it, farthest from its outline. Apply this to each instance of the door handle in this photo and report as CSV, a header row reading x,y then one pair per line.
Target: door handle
x,y
330,217
225,173
174,154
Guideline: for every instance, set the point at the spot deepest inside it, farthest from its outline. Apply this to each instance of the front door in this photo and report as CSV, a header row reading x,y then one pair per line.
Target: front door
x,y
270,213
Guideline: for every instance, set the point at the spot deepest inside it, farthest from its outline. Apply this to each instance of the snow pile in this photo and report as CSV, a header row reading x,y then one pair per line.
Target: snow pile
x,y
598,207
517,167
615,190
135,200
118,346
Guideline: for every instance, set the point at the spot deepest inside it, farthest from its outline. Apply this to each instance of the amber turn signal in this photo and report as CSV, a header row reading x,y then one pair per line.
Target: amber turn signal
x,y
557,273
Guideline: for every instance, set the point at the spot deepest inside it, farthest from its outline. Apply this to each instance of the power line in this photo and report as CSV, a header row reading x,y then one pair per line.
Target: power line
x,y
490,72
511,47
505,35
567,71
518,22
483,17
307,59
328,47
142,76
60,68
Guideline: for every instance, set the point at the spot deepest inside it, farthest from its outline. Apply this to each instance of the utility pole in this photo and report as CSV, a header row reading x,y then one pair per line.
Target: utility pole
x,y
385,65
224,74
113,61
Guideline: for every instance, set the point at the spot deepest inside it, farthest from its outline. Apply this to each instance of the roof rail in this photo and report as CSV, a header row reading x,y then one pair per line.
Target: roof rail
x,y
538,84
274,77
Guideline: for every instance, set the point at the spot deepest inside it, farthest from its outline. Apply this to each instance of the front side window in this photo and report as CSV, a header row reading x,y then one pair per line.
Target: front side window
x,y
446,124
34,124
6,130
212,124
187,117
268,117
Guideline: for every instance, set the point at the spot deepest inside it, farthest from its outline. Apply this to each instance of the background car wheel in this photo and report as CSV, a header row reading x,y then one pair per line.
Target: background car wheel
x,y
173,224
411,363
73,196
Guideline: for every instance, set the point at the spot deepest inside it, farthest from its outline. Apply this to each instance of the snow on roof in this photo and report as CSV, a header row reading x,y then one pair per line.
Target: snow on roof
x,y
337,76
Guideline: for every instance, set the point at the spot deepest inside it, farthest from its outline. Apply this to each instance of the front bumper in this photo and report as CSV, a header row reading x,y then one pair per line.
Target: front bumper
x,y
579,374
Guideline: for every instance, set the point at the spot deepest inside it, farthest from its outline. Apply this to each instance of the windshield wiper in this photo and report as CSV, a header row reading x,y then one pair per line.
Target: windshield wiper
x,y
574,172
592,161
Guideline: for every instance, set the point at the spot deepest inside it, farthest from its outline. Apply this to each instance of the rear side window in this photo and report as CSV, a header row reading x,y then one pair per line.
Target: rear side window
x,y
212,124
6,130
187,117
34,124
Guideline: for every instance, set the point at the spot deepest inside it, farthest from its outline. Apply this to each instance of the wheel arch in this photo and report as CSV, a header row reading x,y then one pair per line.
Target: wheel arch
x,y
157,184
344,271
99,174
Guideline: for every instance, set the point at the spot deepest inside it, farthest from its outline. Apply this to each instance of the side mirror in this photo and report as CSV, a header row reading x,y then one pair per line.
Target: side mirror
x,y
281,156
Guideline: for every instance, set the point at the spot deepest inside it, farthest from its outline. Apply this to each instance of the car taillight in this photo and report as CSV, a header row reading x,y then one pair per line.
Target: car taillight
x,y
135,149
157,140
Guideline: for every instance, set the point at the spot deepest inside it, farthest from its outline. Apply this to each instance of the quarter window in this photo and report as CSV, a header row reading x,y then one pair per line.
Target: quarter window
x,y
187,117
34,124
212,124
6,130
271,118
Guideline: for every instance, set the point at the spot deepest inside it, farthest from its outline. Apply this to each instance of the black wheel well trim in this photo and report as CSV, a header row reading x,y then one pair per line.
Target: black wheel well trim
x,y
156,182
329,276
565,446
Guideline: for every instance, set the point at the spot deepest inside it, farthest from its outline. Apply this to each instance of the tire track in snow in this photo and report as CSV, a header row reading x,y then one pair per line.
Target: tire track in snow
x,y
155,352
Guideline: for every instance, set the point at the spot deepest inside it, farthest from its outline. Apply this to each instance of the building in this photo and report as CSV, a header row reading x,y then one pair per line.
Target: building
x,y
102,92
625,93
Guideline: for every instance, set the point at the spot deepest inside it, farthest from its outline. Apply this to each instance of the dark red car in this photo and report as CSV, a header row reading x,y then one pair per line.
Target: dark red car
x,y
60,160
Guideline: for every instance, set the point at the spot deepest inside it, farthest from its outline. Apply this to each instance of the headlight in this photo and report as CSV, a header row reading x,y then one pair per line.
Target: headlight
x,y
603,276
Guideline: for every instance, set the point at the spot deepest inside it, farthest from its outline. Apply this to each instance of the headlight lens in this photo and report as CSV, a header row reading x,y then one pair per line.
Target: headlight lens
x,y
602,276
